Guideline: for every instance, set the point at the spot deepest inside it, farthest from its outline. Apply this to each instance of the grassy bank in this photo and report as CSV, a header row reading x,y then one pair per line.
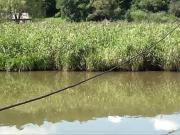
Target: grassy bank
x,y
60,45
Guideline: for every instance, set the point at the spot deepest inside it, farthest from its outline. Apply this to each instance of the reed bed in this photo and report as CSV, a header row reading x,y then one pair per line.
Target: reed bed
x,y
87,46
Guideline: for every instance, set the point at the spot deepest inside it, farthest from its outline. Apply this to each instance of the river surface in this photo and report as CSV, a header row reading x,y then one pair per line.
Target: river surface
x,y
116,103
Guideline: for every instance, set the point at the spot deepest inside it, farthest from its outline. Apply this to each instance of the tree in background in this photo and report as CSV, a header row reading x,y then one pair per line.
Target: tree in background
x,y
11,8
96,10
50,8
175,7
76,10
36,8
152,5
109,9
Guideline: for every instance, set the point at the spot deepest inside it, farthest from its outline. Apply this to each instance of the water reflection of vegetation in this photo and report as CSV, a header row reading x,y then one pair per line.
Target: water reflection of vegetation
x,y
133,94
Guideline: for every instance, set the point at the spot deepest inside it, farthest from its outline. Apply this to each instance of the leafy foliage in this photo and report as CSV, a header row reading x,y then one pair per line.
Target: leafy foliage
x,y
93,9
54,44
109,9
175,7
36,8
89,10
11,6
142,16
152,5
98,10
76,9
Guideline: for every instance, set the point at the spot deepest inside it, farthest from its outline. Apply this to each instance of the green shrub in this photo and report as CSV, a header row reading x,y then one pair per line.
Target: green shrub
x,y
139,15
175,7
58,45
95,10
109,9
152,5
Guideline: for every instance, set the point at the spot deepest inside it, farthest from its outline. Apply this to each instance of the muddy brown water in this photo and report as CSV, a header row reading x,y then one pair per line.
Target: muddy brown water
x,y
117,103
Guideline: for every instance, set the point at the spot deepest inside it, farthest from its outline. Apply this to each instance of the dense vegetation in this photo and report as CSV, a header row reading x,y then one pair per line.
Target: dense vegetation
x,y
56,44
60,45
116,9
96,10
36,8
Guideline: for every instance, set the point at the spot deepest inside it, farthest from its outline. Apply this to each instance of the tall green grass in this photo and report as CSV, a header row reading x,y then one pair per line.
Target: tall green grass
x,y
60,45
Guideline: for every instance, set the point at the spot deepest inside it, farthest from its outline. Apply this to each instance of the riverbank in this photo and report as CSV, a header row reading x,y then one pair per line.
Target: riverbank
x,y
87,46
